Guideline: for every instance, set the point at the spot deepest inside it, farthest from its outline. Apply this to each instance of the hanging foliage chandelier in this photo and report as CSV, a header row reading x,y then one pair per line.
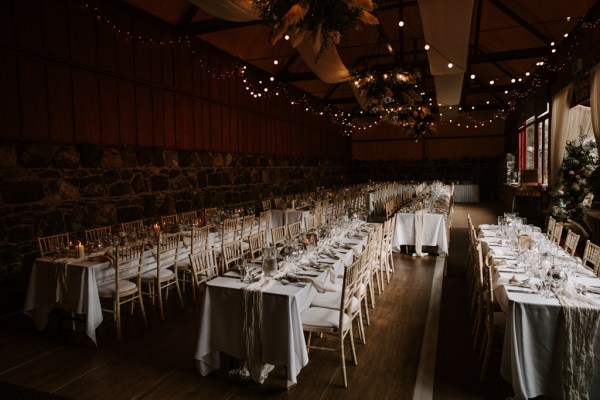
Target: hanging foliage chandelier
x,y
326,20
392,94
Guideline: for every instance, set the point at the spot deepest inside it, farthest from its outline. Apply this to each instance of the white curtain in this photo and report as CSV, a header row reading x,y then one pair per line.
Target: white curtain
x,y
579,122
558,128
595,101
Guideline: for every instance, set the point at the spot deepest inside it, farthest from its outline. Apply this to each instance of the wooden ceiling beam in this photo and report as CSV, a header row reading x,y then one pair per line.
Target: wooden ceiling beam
x,y
214,25
522,21
188,14
519,54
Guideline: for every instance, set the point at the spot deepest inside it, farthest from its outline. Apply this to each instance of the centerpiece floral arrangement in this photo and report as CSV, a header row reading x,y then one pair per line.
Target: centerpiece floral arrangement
x,y
324,19
578,164
392,95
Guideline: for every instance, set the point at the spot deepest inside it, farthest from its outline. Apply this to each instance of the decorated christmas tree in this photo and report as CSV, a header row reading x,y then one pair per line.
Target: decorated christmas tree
x,y
581,159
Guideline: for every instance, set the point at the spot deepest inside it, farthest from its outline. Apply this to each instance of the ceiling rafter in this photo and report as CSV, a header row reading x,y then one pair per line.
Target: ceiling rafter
x,y
522,21
187,14
214,25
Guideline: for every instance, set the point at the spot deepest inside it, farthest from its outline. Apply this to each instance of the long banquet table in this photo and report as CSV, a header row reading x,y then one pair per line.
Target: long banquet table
x,y
434,231
531,354
80,292
221,325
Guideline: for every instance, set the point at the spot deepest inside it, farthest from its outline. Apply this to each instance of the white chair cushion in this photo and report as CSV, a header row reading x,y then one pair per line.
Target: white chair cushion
x,y
361,290
333,300
322,317
109,289
165,273
184,264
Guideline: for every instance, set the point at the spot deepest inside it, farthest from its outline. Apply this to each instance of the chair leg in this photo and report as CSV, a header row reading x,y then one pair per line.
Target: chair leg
x,y
142,308
342,358
194,283
160,301
117,309
179,293
367,311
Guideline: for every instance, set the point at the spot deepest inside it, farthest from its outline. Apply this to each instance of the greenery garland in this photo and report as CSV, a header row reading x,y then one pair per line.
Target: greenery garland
x,y
392,95
324,19
578,164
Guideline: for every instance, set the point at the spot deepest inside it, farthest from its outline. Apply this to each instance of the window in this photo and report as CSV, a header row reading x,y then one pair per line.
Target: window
x,y
534,141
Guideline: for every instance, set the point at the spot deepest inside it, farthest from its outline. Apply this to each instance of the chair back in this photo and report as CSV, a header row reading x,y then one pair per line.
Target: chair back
x,y
247,225
187,218
266,205
263,221
591,256
132,226
557,233
231,229
167,254
92,235
258,242
571,242
168,221
349,289
231,254
295,229
551,225
309,222
278,235
53,244
199,239
204,266
128,261
211,215
278,203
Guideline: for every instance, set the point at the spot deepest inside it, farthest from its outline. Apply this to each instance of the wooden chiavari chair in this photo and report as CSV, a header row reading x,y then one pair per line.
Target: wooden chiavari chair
x,y
264,221
204,268
557,233
168,221
163,277
495,321
187,218
132,226
591,257
295,229
127,285
198,242
336,321
571,242
92,235
309,223
266,204
258,242
550,228
231,255
278,203
53,244
278,235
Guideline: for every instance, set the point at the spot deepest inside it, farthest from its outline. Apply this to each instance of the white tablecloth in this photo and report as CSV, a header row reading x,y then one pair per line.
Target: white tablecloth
x,y
531,355
81,294
466,193
434,231
221,327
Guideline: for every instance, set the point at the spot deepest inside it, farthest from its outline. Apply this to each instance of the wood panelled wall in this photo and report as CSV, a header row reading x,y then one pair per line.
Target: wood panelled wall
x,y
71,77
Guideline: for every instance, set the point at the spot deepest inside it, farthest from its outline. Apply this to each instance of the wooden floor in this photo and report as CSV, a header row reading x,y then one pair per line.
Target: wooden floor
x,y
157,362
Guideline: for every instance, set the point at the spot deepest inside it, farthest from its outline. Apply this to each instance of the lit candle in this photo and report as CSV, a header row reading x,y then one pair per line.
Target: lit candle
x,y
156,228
80,250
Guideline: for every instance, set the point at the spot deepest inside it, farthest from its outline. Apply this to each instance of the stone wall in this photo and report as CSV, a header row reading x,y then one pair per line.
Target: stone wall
x,y
48,189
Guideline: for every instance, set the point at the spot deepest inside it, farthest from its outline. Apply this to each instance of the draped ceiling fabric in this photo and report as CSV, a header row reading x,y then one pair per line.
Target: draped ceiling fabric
x,y
328,67
447,26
